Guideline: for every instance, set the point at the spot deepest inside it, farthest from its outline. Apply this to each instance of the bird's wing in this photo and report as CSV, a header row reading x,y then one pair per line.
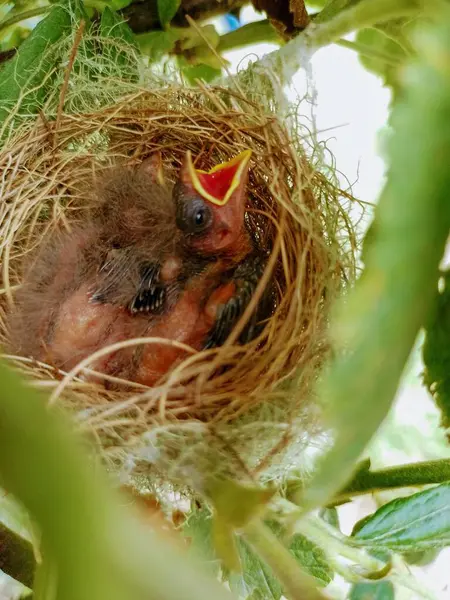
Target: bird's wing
x,y
150,296
245,277
129,281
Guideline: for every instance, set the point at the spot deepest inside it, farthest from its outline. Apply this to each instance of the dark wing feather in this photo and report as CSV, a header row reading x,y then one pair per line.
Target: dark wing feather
x,y
246,277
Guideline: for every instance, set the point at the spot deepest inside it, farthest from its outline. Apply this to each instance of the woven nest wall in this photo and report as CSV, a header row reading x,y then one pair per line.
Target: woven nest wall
x,y
252,418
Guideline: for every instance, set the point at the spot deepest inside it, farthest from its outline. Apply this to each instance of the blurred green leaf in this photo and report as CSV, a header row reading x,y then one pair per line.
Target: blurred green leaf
x,y
312,558
201,72
198,529
118,42
14,37
256,579
197,46
119,4
203,55
237,503
330,8
112,25
101,549
191,38
388,70
13,515
330,516
224,542
421,558
32,63
390,40
436,352
380,590
156,44
316,3
417,522
167,10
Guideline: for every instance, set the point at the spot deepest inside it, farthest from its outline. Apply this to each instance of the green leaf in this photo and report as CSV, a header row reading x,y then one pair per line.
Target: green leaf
x,y
112,25
32,63
330,516
312,558
13,515
224,542
102,550
316,3
200,72
156,44
167,10
380,590
198,529
256,579
118,45
119,4
191,38
436,352
330,8
421,558
417,522
237,503
373,43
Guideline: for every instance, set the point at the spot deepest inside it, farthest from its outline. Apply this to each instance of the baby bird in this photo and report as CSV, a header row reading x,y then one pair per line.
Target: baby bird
x,y
147,263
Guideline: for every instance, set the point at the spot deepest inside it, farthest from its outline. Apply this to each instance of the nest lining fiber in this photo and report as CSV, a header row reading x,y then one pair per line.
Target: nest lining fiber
x,y
250,417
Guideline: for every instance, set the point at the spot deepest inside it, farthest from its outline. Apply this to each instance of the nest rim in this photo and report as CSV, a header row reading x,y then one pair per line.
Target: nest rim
x,y
312,244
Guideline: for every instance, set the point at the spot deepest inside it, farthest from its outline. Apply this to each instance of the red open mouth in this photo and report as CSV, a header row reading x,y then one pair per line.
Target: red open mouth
x,y
218,184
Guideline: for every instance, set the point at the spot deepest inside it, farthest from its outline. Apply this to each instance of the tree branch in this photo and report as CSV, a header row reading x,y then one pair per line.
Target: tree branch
x,y
297,585
28,14
16,556
287,60
413,475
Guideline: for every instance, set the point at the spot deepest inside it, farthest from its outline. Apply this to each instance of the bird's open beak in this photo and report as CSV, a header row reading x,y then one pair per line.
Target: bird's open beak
x,y
218,184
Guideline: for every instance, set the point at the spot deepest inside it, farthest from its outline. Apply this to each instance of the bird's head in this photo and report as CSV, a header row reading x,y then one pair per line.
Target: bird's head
x,y
210,205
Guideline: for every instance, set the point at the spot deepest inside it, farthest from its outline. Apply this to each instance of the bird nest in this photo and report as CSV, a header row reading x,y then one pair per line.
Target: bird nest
x,y
239,409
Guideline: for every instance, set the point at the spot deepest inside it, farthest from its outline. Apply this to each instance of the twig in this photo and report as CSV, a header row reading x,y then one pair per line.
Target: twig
x,y
417,474
315,36
297,585
28,14
65,84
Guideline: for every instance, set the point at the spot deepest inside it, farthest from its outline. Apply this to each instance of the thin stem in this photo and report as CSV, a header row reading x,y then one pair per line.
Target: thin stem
x,y
328,538
416,474
28,14
333,542
297,584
